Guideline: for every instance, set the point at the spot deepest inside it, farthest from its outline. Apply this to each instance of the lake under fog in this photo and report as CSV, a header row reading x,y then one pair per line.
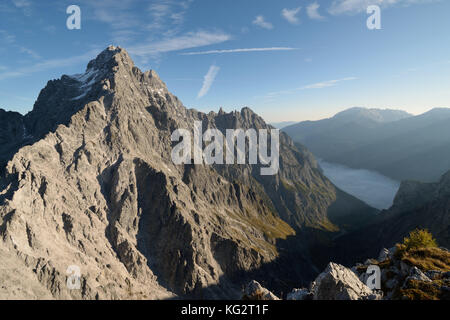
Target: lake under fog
x,y
371,187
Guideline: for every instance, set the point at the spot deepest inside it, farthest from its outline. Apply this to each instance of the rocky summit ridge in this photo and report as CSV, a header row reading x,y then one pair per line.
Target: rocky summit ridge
x,y
87,180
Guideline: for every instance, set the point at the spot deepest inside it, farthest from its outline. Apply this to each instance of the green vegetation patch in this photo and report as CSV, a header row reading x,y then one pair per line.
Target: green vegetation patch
x,y
420,290
419,238
420,249
428,259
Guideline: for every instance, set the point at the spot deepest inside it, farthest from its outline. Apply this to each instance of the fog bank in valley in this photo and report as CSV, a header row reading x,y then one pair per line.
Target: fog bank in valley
x,y
371,187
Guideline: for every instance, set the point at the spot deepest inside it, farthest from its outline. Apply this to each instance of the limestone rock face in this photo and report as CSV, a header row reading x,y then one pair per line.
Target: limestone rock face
x,y
336,283
340,283
418,275
89,182
384,255
299,294
254,291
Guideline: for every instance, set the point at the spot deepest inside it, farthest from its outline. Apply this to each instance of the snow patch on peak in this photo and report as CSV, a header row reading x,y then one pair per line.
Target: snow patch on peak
x,y
81,95
90,75
86,80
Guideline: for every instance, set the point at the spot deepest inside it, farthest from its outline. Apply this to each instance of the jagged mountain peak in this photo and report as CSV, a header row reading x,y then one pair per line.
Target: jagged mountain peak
x,y
110,55
111,73
105,65
99,177
245,118
114,65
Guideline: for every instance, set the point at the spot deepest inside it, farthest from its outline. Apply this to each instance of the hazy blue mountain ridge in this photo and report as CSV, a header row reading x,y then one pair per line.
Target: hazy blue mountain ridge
x,y
396,144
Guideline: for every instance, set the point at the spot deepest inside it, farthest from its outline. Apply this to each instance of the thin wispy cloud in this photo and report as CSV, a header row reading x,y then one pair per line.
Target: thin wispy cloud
x,y
21,98
243,50
208,80
24,5
117,14
30,52
182,42
261,22
129,20
6,8
291,15
50,29
273,95
125,25
356,6
313,11
9,40
318,85
168,15
123,37
326,84
6,37
48,64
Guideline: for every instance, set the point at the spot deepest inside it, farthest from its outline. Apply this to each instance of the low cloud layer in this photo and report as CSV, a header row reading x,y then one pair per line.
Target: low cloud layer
x,y
371,187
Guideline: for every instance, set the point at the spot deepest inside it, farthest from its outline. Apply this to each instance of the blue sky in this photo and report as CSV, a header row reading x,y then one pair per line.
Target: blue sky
x,y
288,60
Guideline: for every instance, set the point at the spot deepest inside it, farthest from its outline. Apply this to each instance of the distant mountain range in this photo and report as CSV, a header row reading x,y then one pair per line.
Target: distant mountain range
x,y
281,125
392,142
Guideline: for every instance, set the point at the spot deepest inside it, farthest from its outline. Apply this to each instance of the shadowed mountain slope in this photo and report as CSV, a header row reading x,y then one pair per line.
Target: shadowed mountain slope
x,y
417,205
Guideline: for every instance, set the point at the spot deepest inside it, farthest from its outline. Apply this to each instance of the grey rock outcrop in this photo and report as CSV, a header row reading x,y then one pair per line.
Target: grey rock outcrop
x,y
340,283
418,275
336,282
409,275
384,255
434,274
400,278
300,294
254,291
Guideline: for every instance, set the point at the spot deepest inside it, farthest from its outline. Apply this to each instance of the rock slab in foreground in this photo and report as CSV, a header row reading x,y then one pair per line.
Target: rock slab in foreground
x,y
254,291
340,283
